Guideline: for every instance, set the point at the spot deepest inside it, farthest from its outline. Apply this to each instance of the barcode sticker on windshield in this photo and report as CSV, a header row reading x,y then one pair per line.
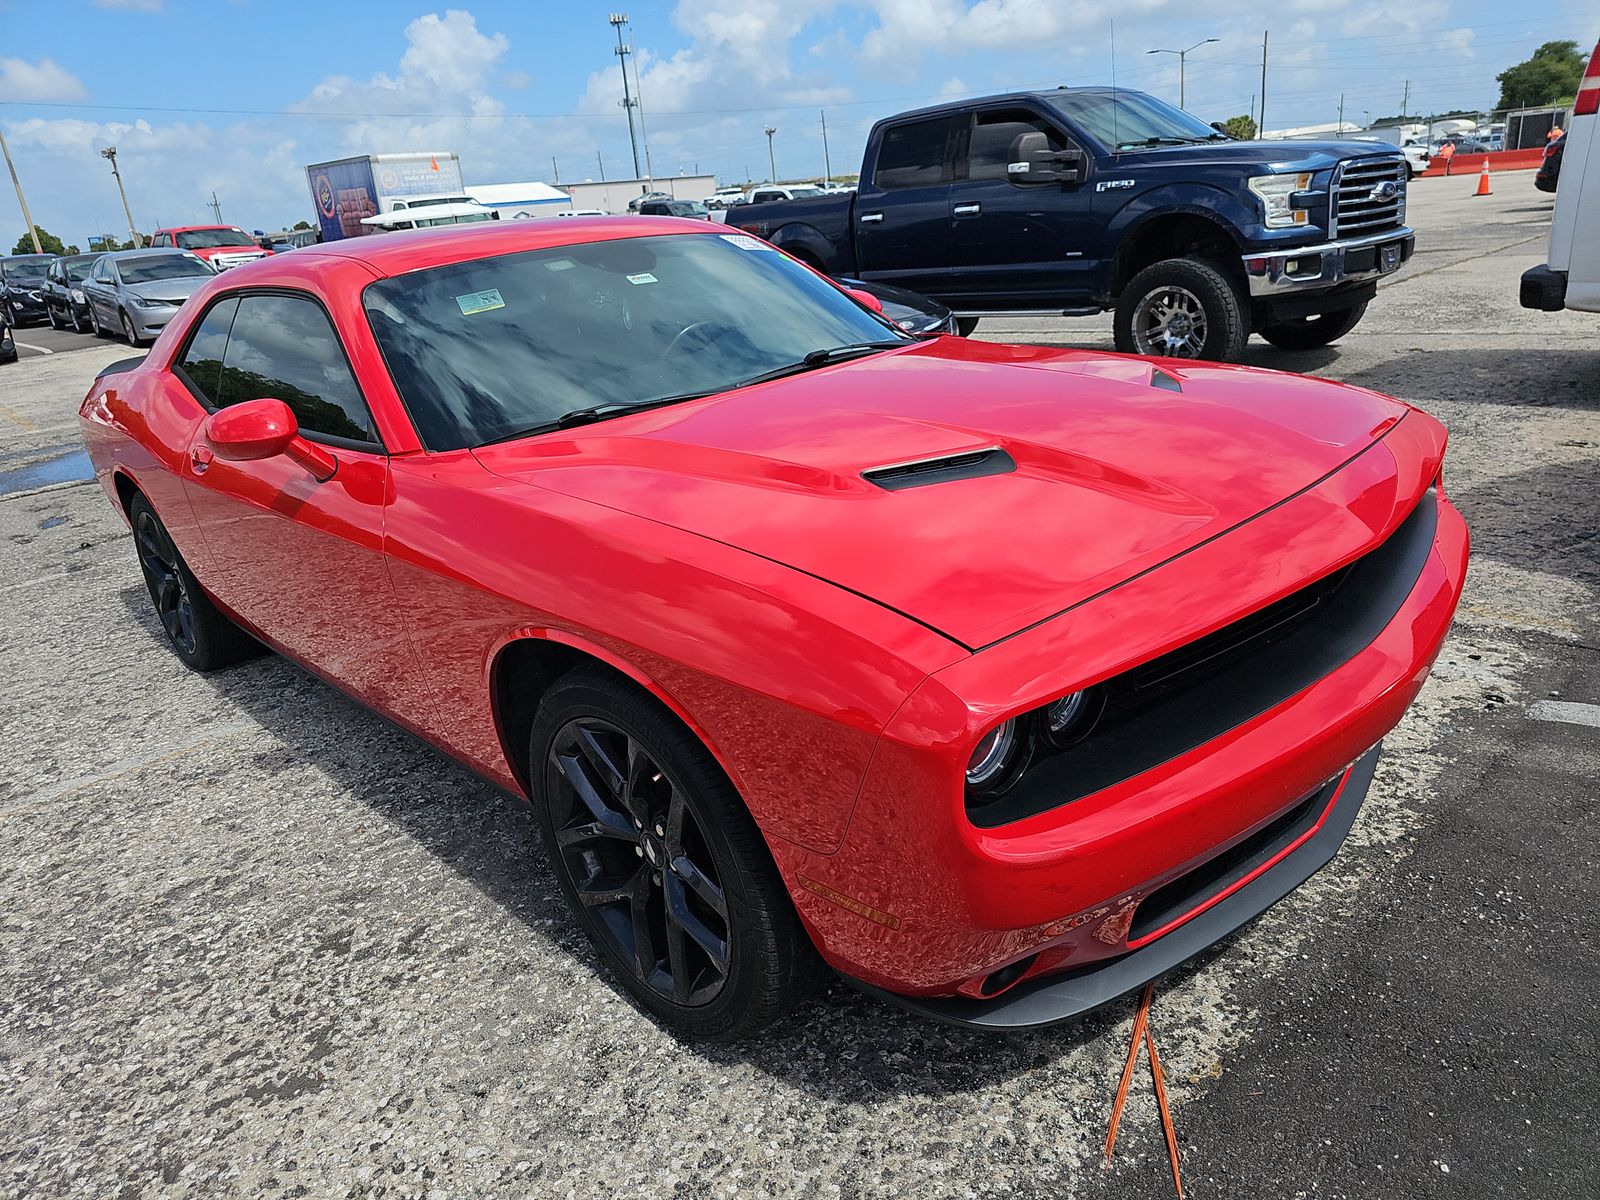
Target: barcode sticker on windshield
x,y
643,277
477,302
743,242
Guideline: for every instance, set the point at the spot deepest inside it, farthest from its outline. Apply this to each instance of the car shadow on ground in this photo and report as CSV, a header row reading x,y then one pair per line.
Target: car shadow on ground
x,y
842,1046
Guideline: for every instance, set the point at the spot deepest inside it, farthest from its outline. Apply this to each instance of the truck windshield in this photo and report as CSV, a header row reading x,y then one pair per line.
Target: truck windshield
x,y
209,239
1128,120
493,347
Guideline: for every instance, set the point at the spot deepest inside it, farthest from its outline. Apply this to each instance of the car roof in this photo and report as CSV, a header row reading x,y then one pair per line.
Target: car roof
x,y
11,258
197,228
418,249
146,252
1046,95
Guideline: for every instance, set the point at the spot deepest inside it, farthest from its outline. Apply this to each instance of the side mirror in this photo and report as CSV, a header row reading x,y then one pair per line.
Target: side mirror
x,y
867,299
1032,161
265,428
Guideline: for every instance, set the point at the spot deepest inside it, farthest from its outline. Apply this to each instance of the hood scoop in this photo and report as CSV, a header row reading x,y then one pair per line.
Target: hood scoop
x,y
947,468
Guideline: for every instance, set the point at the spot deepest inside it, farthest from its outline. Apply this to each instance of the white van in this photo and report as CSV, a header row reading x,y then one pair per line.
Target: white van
x,y
1571,276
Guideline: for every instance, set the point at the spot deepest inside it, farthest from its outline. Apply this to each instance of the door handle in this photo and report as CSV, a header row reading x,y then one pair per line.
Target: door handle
x,y
967,210
870,218
200,458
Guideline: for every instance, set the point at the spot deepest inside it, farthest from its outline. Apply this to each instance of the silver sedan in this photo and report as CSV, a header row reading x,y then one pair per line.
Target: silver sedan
x,y
136,292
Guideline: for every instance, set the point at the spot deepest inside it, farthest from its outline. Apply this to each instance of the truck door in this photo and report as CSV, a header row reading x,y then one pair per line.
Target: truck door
x,y
902,208
1017,245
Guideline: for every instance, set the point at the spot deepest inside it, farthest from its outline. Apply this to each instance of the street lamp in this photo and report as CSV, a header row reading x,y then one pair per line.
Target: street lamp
x,y
110,152
772,165
1182,56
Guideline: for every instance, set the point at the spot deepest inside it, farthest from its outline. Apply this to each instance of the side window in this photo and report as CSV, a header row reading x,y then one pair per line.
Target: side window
x,y
201,363
995,136
283,346
913,155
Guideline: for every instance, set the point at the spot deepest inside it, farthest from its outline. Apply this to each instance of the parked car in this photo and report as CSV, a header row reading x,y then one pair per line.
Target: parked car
x,y
1548,177
1078,200
8,344
767,193
725,197
137,292
464,212
65,304
913,313
22,286
1417,158
222,246
583,212
1000,679
633,205
1570,275
675,208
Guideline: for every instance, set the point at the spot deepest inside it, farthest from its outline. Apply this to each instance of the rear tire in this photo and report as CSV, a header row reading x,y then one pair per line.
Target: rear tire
x,y
1308,333
201,637
94,323
644,832
1182,308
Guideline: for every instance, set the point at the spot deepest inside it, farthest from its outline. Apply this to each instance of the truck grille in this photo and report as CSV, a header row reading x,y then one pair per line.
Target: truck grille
x,y
1369,196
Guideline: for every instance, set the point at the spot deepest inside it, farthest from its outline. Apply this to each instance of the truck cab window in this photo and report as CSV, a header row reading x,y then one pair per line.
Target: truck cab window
x,y
913,155
994,140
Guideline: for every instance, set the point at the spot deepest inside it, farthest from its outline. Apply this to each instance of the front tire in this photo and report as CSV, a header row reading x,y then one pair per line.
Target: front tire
x,y
966,326
128,334
1182,308
1309,333
198,633
51,313
662,863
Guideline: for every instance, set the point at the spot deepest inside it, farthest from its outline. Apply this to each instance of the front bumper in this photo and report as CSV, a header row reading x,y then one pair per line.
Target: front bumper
x,y
26,306
1306,269
1251,885
148,322
1543,289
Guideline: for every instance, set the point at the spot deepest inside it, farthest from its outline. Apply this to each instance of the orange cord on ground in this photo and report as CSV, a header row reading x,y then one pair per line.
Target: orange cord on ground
x,y
1142,1034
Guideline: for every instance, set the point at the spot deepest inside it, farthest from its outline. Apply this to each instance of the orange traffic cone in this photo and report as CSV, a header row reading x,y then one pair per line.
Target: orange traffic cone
x,y
1483,181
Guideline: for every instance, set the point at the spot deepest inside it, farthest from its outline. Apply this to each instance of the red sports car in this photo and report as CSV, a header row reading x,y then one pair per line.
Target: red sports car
x,y
997,678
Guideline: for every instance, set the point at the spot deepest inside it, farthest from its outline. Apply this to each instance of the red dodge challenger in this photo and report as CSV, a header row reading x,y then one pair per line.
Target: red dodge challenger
x,y
999,679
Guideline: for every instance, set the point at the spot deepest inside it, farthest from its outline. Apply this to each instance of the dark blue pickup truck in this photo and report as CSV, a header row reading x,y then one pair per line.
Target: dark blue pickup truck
x,y
1080,200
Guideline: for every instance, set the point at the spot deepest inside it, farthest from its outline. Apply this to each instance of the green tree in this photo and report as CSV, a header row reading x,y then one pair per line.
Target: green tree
x,y
1241,127
300,225
1553,72
48,242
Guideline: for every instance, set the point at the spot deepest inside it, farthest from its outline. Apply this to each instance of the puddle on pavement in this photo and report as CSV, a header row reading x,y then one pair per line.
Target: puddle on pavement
x,y
64,468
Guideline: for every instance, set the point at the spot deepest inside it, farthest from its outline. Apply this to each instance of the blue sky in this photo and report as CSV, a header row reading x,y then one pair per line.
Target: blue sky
x,y
238,97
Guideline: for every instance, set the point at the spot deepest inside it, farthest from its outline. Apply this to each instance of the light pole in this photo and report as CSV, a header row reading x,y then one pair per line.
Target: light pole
x,y
110,152
772,165
33,231
1183,56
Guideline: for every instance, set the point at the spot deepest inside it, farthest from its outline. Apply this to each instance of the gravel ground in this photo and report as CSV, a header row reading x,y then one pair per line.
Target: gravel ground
x,y
257,942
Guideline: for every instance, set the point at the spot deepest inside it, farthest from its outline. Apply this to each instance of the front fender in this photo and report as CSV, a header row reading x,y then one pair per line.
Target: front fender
x,y
807,242
1223,208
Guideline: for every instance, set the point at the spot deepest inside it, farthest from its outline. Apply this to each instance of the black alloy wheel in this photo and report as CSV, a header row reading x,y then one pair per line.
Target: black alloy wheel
x,y
662,863
635,852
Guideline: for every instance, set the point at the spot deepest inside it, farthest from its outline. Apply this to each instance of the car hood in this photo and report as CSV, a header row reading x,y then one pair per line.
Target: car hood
x,y
1279,155
175,291
1115,471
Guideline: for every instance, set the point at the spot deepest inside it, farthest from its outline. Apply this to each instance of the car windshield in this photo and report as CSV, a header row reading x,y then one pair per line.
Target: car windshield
x,y
32,267
78,271
1125,120
208,239
483,349
155,267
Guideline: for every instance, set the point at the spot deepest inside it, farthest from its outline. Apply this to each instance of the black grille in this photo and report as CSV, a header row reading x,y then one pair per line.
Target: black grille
x,y
1369,196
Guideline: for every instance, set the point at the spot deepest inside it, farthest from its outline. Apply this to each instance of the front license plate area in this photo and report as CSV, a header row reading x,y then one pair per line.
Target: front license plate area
x,y
1388,258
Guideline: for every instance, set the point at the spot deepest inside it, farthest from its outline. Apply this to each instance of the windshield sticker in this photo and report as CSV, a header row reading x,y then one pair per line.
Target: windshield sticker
x,y
743,242
643,277
477,302
560,264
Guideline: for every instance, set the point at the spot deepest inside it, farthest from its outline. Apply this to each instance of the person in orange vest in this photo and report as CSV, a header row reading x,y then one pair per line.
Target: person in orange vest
x,y
1448,153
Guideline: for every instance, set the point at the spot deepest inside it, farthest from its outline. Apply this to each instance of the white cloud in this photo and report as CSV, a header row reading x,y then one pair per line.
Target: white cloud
x,y
43,81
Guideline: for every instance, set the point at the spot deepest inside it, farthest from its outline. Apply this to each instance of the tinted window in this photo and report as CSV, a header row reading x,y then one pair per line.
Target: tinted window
x,y
994,141
210,239
913,155
284,347
201,363
155,267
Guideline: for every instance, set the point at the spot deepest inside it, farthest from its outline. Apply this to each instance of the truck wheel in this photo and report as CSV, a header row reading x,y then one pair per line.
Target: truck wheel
x,y
1308,333
1181,308
965,326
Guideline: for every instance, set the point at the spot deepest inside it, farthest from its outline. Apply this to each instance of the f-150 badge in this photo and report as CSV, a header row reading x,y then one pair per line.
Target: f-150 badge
x,y
1105,185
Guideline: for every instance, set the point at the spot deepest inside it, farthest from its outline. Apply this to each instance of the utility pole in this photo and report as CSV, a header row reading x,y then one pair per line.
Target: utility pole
x,y
1253,111
110,152
556,167
1405,103
618,20
772,163
602,163
638,104
17,183
827,167
215,207
1183,56
1262,127
1341,116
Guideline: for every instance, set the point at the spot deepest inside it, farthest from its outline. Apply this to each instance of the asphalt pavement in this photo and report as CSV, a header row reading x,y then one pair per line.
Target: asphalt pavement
x,y
257,942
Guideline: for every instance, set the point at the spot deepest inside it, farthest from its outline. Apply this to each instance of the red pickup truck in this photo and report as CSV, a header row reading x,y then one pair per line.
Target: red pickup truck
x,y
222,246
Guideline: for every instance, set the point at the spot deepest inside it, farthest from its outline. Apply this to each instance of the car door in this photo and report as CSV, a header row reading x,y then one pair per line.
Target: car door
x,y
902,208
101,290
1017,244
300,559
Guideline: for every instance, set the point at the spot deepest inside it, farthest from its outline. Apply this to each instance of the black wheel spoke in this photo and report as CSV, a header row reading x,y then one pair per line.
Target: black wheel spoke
x,y
680,916
594,831
700,884
607,771
643,781
576,769
644,948
612,891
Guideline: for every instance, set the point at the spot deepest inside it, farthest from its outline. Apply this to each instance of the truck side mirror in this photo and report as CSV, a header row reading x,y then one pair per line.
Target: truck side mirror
x,y
1033,162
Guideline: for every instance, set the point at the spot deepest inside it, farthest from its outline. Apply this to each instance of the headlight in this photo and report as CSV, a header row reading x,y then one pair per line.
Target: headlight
x,y
995,758
77,297
1070,718
1274,192
141,302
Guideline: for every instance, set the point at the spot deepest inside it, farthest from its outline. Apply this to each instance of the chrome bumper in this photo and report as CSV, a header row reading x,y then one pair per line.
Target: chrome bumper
x,y
1316,268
